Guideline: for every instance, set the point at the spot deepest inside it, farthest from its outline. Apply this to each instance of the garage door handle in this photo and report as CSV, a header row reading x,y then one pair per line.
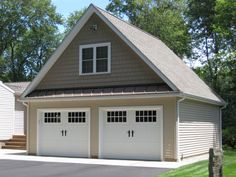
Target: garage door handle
x,y
65,132
129,133
62,133
132,133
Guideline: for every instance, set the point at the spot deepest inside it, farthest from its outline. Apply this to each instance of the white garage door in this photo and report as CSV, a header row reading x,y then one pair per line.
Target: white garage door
x,y
131,133
63,132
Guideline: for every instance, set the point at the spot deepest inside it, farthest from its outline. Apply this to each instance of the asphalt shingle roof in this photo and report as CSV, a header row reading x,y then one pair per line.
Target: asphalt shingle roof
x,y
18,87
164,59
151,49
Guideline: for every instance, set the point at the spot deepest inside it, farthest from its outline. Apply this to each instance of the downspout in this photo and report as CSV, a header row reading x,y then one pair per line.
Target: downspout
x,y
26,104
220,126
177,129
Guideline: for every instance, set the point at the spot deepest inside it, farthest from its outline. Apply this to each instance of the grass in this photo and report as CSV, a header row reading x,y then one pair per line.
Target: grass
x,y
200,169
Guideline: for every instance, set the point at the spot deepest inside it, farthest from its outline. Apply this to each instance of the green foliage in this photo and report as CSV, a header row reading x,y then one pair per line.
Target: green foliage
x,y
162,18
213,31
73,18
225,21
200,169
229,137
28,36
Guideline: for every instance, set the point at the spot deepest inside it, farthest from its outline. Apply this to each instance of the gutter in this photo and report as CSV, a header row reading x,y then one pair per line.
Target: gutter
x,y
26,104
123,96
177,129
102,97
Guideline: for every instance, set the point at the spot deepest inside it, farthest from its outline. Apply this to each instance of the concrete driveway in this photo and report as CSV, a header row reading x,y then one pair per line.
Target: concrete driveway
x,y
19,168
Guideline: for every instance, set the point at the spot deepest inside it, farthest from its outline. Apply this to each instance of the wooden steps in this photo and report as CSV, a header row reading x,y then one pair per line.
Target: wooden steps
x,y
17,142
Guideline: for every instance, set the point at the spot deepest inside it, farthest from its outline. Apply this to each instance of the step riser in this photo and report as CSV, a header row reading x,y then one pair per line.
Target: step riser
x,y
14,140
17,147
19,136
17,142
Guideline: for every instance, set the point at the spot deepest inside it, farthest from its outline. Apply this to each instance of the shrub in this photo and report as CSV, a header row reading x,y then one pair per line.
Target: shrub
x,y
229,137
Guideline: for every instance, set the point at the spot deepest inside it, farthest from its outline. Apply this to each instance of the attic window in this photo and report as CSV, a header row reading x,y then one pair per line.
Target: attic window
x,y
95,59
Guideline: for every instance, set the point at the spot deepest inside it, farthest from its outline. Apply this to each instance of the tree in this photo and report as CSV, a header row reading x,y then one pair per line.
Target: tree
x,y
213,32
73,19
162,18
212,26
28,36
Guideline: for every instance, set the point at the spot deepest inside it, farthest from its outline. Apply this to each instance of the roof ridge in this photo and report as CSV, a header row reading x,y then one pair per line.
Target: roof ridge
x,y
130,24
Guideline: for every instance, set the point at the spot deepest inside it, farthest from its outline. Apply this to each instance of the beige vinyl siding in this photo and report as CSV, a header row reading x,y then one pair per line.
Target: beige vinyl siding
x,y
20,118
169,113
198,128
7,114
126,66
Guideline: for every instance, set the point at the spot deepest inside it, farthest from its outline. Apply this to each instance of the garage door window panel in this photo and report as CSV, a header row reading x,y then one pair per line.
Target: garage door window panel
x,y
52,117
76,117
146,116
116,116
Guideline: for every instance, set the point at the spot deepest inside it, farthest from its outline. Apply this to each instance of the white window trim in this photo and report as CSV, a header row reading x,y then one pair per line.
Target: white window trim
x,y
108,44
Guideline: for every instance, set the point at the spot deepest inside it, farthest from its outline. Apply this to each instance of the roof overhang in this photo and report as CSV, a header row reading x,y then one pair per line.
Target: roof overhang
x,y
201,99
102,97
124,96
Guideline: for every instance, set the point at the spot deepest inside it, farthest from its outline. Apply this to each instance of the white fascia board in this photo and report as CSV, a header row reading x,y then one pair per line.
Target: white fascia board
x,y
65,43
6,87
124,96
201,99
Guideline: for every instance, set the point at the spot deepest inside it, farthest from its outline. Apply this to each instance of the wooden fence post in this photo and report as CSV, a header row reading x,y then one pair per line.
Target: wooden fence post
x,y
215,165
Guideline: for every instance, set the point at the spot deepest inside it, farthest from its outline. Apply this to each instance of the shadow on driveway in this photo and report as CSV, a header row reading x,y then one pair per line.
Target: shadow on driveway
x,y
10,168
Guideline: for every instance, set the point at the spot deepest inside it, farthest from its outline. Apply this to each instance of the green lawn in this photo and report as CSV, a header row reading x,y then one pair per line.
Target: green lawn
x,y
200,169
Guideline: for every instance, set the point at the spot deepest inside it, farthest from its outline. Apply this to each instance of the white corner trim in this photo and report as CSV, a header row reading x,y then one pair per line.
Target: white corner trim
x,y
26,104
177,128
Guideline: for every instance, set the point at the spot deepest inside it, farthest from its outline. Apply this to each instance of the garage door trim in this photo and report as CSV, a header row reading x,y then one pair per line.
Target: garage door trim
x,y
58,110
102,109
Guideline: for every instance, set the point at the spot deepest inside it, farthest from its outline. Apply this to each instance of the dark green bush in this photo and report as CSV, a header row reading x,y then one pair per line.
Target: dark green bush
x,y
229,137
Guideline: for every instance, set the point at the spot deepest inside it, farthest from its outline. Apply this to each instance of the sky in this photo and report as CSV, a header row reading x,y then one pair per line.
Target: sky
x,y
65,7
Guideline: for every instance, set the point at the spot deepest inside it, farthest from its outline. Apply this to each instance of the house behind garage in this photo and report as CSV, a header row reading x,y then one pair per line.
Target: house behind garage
x,y
12,112
111,90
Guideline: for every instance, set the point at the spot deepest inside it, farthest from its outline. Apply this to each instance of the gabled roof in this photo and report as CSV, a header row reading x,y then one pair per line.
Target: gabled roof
x,y
153,51
18,87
